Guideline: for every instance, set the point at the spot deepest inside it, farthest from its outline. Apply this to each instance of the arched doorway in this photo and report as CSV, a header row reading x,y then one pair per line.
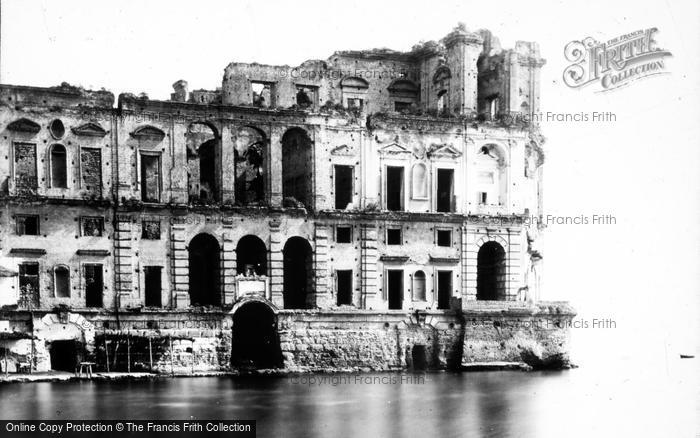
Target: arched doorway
x,y
204,255
251,255
297,166
297,272
65,355
491,272
255,341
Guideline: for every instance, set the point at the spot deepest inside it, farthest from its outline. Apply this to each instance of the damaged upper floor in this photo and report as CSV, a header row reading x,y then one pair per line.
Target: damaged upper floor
x,y
464,74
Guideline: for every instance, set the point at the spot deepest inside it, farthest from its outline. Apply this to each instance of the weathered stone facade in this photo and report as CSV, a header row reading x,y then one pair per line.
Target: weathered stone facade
x,y
333,215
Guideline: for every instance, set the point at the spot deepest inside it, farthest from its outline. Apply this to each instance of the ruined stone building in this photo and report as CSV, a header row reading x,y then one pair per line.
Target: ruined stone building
x,y
370,210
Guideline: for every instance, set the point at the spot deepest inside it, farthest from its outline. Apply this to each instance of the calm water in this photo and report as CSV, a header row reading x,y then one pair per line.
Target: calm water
x,y
581,402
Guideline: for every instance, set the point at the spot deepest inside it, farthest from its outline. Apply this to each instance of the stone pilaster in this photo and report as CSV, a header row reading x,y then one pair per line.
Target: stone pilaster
x,y
463,255
369,259
228,166
123,261
179,268
322,291
276,265
228,268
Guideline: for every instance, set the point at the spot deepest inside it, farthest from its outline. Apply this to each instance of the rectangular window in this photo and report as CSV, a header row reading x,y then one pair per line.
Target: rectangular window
x,y
150,178
394,284
343,186
343,234
483,198
444,238
401,107
344,287
393,236
25,167
394,188
355,103
262,94
91,226
493,108
29,285
93,285
150,230
91,170
61,282
307,96
444,289
445,178
27,225
153,286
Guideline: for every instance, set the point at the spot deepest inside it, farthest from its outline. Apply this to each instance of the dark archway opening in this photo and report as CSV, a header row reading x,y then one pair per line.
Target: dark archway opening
x,y
297,272
251,256
419,357
250,152
65,355
203,163
297,166
491,272
255,337
208,190
204,259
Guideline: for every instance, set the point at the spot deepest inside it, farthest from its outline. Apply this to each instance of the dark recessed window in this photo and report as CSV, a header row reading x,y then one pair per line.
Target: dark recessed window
x,y
91,226
150,230
28,225
483,197
444,237
343,235
393,236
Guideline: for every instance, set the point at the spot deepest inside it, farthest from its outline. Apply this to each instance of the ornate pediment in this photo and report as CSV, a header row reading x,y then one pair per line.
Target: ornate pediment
x,y
89,129
24,125
354,82
148,132
441,74
342,150
443,151
394,149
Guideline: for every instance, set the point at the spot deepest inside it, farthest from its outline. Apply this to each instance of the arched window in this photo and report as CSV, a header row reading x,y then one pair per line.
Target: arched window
x,y
59,177
419,286
61,282
419,182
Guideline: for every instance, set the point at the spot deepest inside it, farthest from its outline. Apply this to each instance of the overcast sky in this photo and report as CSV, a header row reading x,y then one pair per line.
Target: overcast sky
x,y
643,168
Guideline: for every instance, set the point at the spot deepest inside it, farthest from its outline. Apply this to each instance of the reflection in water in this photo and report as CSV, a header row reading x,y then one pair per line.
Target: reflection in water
x,y
485,404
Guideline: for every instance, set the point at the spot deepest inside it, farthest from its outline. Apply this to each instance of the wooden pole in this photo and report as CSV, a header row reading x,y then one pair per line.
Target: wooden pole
x,y
128,354
107,352
150,353
172,371
5,360
192,372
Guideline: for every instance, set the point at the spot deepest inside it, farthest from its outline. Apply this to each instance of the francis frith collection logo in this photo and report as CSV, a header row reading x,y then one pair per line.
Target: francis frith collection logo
x,y
614,63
